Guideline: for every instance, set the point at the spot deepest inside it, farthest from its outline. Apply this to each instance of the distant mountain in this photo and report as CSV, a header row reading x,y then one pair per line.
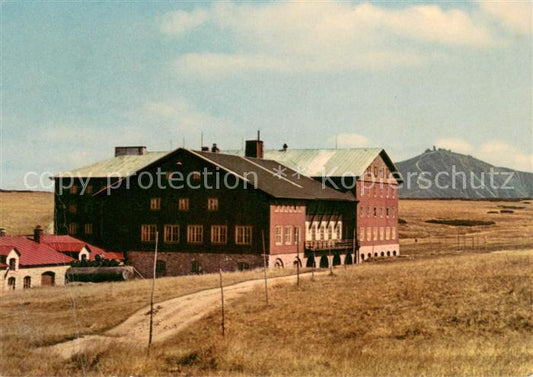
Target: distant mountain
x,y
444,174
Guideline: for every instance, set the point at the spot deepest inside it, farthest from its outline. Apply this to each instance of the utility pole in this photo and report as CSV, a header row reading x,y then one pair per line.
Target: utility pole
x,y
222,300
152,293
265,266
297,256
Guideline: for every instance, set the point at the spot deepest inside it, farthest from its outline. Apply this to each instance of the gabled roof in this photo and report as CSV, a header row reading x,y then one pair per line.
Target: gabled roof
x,y
33,253
121,166
5,250
330,162
273,178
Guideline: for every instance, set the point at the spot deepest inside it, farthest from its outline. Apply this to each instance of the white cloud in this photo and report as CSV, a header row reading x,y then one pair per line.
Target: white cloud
x,y
181,22
496,152
516,15
456,145
504,154
297,36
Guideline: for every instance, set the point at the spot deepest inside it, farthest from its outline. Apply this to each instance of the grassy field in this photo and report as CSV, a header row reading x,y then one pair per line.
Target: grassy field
x,y
21,211
510,230
458,315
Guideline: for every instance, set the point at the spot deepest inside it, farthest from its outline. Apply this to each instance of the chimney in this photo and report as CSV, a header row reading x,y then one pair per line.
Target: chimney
x,y
285,147
130,151
37,233
2,232
254,148
214,148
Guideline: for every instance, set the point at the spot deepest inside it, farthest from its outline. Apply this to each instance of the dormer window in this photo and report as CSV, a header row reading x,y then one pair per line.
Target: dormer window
x,y
12,264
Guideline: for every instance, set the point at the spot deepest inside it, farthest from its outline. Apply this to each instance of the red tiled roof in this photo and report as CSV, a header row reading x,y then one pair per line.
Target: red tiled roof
x,y
5,249
65,243
33,253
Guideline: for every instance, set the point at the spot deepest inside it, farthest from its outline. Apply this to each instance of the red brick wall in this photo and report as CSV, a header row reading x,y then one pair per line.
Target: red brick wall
x,y
379,191
287,215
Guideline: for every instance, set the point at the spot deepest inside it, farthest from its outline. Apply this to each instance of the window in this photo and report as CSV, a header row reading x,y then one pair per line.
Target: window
x,y
89,189
330,232
322,232
375,171
393,233
195,234
369,234
11,282
388,211
278,235
381,212
27,282
381,233
387,233
297,235
219,234
73,189
171,233
12,264
368,211
72,228
362,234
375,229
89,228
381,173
288,235
313,232
155,204
375,212
243,235
183,204
339,231
73,208
196,176
362,211
148,233
212,204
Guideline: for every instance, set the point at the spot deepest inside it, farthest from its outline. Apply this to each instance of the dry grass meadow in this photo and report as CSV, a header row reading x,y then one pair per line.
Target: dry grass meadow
x,y
449,309
21,211
467,315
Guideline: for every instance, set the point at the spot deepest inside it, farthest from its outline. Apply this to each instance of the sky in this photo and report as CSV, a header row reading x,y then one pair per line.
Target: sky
x,y
79,78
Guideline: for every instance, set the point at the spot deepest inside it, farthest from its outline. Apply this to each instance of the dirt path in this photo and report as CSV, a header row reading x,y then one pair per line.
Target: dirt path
x,y
169,318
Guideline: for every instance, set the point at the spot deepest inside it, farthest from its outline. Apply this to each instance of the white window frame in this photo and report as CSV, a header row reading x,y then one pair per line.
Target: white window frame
x,y
219,234
287,235
195,234
171,233
212,204
243,234
278,234
183,204
148,232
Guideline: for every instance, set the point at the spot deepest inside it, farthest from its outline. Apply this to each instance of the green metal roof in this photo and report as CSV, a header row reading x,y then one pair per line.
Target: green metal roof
x,y
326,162
121,166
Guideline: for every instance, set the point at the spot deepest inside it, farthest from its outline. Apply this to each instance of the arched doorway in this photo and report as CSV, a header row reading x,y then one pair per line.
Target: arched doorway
x,y
27,282
48,278
11,282
160,268
278,263
195,267
324,263
348,259
310,262
297,263
336,260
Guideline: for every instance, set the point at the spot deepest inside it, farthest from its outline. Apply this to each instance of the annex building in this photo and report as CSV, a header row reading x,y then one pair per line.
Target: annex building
x,y
214,210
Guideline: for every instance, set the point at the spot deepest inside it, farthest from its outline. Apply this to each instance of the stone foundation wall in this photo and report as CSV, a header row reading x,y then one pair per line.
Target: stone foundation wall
x,y
182,263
